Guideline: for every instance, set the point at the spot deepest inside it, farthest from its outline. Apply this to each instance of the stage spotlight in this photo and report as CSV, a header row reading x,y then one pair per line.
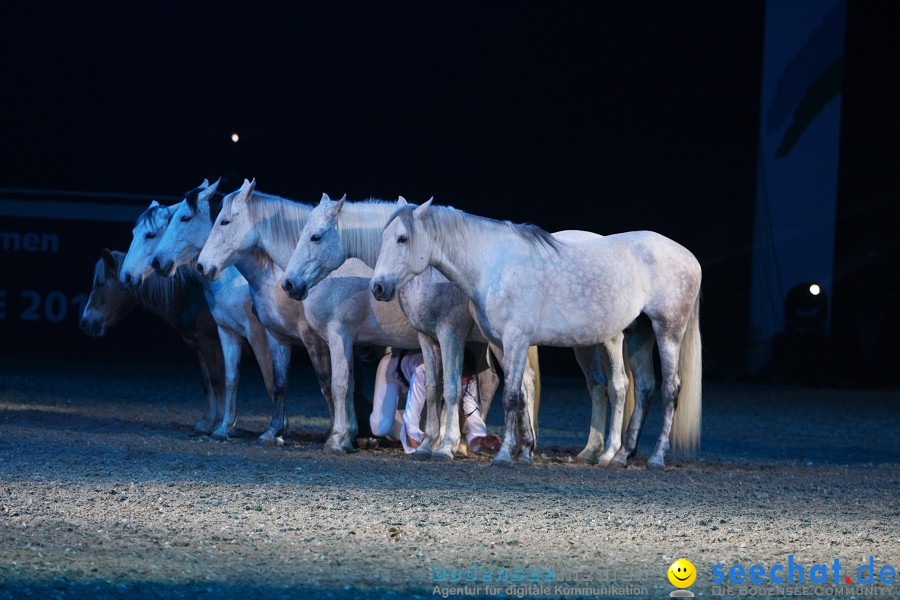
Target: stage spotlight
x,y
814,289
235,138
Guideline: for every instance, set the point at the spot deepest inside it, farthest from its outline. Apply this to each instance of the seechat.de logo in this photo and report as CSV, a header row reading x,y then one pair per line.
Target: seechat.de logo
x,y
682,574
792,572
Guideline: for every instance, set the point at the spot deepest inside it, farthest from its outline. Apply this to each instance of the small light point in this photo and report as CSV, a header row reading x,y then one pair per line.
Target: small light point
x,y
814,289
235,138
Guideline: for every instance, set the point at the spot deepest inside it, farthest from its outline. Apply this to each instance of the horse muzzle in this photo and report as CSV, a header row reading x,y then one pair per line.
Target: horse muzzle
x,y
92,327
296,290
164,268
129,281
382,291
207,272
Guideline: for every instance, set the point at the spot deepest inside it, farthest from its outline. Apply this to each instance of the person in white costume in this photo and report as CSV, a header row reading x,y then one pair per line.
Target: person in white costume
x,y
403,372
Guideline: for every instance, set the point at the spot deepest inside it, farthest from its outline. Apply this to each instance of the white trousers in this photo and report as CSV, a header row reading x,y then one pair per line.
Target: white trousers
x,y
387,421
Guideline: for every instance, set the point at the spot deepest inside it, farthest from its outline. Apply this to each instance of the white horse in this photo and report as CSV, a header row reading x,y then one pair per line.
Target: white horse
x,y
338,231
528,287
258,232
135,270
284,319
179,302
229,298
439,309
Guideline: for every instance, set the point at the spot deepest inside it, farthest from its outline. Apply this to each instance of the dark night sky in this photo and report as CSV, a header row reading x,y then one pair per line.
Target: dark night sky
x,y
591,115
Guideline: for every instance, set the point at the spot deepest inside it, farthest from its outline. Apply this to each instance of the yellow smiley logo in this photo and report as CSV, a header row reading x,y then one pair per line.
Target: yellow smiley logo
x,y
682,573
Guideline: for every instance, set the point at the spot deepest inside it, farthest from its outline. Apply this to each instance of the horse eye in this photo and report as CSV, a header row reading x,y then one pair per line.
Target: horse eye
x,y
315,238
224,222
185,219
402,239
149,235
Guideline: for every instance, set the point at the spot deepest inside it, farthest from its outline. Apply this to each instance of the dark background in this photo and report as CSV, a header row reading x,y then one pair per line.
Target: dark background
x,y
589,115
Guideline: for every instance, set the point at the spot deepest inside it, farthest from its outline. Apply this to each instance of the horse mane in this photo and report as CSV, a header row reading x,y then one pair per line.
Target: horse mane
x,y
162,292
156,217
261,260
192,197
155,292
452,221
360,225
278,220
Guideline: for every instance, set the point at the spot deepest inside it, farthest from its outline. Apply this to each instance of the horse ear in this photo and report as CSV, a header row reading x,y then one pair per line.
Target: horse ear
x,y
246,191
421,210
324,199
208,192
243,193
205,184
108,260
401,201
336,208
344,197
154,203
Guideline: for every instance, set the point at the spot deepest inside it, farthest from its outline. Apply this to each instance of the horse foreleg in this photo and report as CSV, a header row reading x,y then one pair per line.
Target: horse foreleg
x,y
281,359
518,421
590,360
488,380
431,357
345,428
231,350
452,348
321,364
618,387
208,422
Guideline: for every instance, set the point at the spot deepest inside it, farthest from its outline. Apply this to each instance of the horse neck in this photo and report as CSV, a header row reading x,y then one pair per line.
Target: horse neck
x,y
258,269
360,226
279,222
459,252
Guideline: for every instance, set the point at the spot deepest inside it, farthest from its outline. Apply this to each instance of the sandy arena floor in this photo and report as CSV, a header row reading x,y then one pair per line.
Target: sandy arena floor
x,y
104,492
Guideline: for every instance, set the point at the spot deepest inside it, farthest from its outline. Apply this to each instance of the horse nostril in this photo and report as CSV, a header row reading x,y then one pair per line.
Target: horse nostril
x,y
288,285
200,267
377,290
127,278
155,264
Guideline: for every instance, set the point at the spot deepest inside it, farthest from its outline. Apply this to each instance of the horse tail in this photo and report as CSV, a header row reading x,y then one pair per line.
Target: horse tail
x,y
629,393
686,425
535,364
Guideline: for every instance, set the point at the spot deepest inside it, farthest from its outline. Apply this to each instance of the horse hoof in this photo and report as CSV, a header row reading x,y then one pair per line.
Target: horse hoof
x,y
442,456
271,440
204,427
603,460
586,459
421,455
502,461
338,449
220,435
656,463
618,461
